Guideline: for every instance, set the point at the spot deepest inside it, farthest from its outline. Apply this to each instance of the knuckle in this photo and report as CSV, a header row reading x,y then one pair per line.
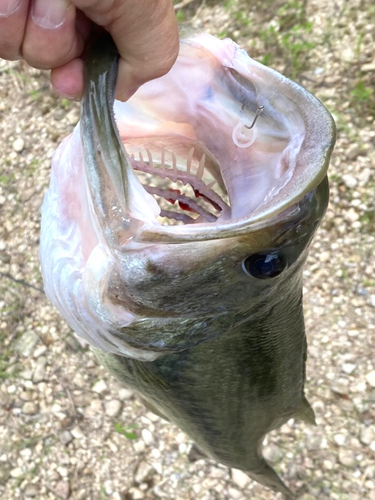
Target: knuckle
x,y
44,57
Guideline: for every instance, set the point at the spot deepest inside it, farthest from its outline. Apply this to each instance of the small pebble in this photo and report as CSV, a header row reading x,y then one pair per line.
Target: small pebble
x,y
183,447
95,406
364,176
349,181
25,345
32,490
17,472
370,377
108,487
340,439
324,256
351,215
340,386
353,151
240,478
347,458
73,116
367,435
39,351
65,437
318,407
139,446
328,465
29,408
125,394
63,471
18,145
136,494
348,368
27,374
273,453
148,437
367,67
77,433
112,408
218,472
62,489
40,370
234,493
100,386
79,380
144,472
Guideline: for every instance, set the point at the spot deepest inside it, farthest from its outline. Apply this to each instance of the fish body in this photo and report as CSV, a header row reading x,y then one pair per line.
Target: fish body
x,y
203,318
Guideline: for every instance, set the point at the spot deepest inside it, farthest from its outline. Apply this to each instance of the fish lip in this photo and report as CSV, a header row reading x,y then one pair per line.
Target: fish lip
x,y
233,228
315,152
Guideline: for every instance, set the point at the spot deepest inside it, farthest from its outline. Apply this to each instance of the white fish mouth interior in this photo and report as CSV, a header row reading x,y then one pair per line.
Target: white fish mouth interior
x,y
185,190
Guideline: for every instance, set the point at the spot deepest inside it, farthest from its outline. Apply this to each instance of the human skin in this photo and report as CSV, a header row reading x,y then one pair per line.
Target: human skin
x,y
53,34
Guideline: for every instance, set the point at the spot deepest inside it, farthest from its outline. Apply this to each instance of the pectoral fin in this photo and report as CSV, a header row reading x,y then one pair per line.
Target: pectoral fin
x,y
306,413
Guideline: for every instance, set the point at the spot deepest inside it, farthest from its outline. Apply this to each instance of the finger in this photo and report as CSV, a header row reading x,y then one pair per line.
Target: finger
x,y
13,16
148,47
51,39
67,80
146,35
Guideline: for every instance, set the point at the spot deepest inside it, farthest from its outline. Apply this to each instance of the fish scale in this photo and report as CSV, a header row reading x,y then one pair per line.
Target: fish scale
x,y
228,392
203,320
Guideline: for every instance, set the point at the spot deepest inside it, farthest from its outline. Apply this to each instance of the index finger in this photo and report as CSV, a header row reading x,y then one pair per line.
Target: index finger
x,y
13,16
146,35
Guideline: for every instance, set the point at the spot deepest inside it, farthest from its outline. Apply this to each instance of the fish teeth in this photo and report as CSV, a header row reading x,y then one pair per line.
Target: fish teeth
x,y
174,164
188,160
167,168
141,161
150,160
200,170
162,159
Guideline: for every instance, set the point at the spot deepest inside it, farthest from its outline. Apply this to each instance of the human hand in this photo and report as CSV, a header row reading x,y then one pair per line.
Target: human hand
x,y
53,34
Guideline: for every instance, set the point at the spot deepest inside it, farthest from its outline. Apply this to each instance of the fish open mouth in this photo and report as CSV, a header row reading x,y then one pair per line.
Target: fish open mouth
x,y
219,170
218,144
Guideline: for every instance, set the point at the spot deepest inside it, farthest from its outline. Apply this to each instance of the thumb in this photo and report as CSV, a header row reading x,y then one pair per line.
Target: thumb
x,y
146,35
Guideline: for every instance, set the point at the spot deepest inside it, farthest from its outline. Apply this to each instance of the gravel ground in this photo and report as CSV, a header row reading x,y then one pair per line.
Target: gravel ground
x,y
68,429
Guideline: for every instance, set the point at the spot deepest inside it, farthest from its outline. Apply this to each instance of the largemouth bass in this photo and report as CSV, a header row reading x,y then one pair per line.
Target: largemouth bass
x,y
173,240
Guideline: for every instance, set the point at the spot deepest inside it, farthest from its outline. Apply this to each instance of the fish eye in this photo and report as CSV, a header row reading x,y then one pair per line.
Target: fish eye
x,y
264,265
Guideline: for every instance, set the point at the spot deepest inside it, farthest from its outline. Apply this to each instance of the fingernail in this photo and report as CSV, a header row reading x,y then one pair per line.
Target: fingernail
x,y
75,97
8,7
50,14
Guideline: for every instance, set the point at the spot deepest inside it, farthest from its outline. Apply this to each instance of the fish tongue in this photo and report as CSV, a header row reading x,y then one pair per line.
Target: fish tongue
x,y
119,201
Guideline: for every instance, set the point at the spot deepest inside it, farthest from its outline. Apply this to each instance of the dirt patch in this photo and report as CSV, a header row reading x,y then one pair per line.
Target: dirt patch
x,y
69,430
